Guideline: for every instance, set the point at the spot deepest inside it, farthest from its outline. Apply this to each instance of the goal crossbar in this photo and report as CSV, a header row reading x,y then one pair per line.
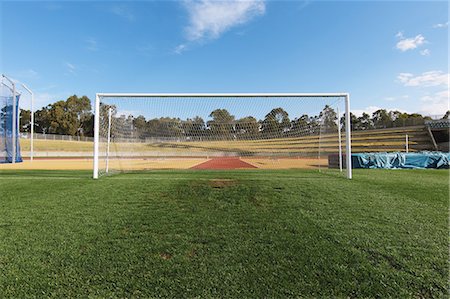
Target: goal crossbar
x,y
222,95
346,96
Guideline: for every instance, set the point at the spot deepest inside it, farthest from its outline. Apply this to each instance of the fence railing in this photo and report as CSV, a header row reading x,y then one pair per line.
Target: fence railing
x,y
39,136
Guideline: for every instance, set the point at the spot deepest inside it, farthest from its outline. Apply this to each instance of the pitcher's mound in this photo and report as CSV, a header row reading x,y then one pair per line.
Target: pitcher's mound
x,y
223,163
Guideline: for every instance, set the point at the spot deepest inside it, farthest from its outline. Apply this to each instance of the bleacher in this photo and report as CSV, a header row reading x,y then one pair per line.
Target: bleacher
x,y
392,140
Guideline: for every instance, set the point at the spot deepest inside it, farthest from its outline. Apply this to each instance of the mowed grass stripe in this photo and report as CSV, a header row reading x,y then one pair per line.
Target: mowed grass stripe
x,y
268,234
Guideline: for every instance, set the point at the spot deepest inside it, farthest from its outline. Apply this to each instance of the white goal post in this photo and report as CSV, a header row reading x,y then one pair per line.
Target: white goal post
x,y
118,97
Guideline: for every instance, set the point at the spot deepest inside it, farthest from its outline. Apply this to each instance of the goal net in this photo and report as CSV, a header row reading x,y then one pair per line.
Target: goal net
x,y
136,132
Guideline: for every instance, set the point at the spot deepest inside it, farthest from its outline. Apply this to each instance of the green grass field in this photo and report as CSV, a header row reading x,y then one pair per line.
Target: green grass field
x,y
196,234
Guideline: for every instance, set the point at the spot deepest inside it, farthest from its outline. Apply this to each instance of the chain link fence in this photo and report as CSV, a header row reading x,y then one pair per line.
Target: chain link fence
x,y
39,136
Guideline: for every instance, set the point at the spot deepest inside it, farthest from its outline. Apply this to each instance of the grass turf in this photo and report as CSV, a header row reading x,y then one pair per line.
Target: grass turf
x,y
262,234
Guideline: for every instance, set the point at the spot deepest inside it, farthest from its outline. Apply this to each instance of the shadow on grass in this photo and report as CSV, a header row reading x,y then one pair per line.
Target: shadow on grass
x,y
244,174
45,174
241,174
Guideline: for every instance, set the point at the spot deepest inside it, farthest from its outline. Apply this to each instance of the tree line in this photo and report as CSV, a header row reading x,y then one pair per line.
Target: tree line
x,y
383,118
70,117
221,126
74,117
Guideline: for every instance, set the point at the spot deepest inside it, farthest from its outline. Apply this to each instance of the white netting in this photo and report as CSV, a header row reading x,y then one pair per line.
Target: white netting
x,y
273,132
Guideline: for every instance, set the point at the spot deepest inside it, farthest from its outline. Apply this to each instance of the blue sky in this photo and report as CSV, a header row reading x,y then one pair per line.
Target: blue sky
x,y
386,54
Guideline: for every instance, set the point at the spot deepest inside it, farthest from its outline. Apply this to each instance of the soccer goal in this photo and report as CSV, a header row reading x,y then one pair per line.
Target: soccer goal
x,y
136,132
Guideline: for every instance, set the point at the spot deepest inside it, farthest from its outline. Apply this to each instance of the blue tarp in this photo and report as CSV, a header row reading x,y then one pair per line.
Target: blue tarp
x,y
438,160
6,129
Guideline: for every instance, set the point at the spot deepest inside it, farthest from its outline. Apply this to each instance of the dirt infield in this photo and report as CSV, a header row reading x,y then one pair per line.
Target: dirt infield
x,y
171,163
287,163
87,164
224,163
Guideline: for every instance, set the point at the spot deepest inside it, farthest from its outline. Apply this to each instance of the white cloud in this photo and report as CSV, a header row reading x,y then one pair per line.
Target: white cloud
x,y
180,49
426,79
70,67
405,44
425,52
440,25
392,99
128,113
91,44
399,35
369,110
210,19
123,12
435,104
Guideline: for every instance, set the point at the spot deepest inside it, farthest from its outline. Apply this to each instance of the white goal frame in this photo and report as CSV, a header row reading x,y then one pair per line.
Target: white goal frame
x,y
348,143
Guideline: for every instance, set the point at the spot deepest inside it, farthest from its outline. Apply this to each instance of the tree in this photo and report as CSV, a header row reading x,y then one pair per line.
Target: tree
x,y
247,127
328,118
198,125
164,127
275,123
364,122
59,120
300,125
402,119
42,120
399,119
151,127
354,122
381,119
79,110
222,124
140,126
70,117
125,123
104,118
194,128
25,120
169,127
88,126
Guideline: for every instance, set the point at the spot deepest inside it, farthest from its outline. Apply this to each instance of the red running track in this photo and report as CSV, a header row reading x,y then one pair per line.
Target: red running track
x,y
223,163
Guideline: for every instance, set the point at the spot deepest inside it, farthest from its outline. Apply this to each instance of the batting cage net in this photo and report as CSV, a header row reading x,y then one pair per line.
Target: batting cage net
x,y
9,124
